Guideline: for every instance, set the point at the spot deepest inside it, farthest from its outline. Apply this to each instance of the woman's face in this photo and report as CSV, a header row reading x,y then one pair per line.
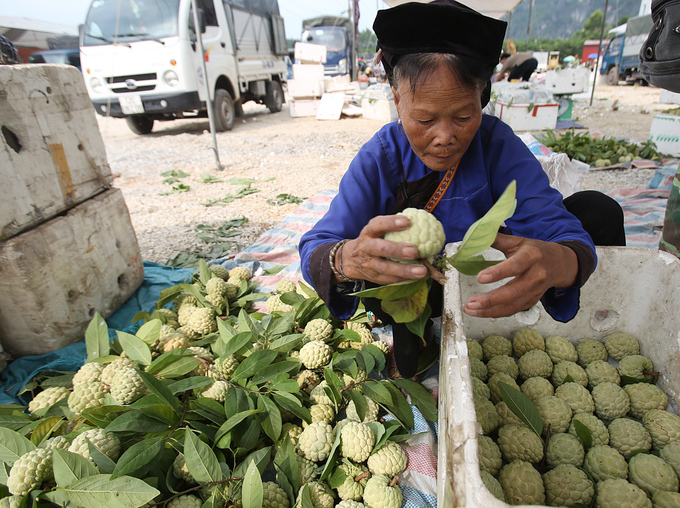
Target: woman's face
x,y
440,119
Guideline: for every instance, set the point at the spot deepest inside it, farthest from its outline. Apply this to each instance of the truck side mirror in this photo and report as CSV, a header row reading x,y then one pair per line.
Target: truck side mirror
x,y
201,20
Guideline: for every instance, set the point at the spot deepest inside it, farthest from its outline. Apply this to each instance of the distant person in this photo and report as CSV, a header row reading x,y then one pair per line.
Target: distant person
x,y
520,66
8,53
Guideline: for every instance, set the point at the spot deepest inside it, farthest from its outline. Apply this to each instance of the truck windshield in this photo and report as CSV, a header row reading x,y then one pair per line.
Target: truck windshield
x,y
332,38
111,21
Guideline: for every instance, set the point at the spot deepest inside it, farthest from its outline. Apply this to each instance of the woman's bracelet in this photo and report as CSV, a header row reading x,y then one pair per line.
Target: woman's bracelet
x,y
337,251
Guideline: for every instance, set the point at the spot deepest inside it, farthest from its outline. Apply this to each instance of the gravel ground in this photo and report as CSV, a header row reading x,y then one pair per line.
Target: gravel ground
x,y
297,157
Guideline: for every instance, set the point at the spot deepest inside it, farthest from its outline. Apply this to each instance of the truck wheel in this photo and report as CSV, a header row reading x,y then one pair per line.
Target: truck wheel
x,y
140,124
224,110
274,98
613,76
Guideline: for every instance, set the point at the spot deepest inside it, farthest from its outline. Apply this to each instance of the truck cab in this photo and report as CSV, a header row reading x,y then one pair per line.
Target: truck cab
x,y
334,33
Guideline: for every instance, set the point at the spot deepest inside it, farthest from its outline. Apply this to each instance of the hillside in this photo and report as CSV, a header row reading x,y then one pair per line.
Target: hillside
x,y
559,19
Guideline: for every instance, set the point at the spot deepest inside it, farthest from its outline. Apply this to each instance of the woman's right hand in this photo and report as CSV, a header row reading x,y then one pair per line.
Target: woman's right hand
x,y
365,257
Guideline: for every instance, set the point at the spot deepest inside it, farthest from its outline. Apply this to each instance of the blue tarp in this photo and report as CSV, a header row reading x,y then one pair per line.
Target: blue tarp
x,y
71,358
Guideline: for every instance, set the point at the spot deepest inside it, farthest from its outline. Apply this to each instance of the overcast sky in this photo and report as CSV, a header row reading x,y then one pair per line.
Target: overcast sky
x,y
73,12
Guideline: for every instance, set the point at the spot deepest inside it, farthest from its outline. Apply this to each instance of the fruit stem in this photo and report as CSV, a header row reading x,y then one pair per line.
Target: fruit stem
x,y
434,273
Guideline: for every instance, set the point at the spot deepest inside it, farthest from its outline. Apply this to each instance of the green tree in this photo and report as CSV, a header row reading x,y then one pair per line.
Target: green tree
x,y
593,25
367,42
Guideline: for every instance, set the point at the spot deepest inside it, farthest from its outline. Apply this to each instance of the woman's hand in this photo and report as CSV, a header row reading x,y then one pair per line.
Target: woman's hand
x,y
365,257
535,265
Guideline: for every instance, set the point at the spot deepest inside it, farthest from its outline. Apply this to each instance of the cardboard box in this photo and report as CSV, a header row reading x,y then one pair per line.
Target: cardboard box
x,y
568,81
665,132
632,290
308,72
52,156
301,88
304,107
523,117
54,277
379,109
310,53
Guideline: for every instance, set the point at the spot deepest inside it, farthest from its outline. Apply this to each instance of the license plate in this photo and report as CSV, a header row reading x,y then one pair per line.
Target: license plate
x,y
131,104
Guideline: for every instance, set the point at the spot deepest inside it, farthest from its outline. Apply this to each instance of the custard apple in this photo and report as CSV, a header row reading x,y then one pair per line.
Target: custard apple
x,y
611,401
188,332
520,442
577,396
560,349
478,368
506,415
308,380
274,496
321,498
219,271
605,463
177,342
184,313
535,363
216,286
127,386
106,442
492,485
494,381
522,483
619,493
86,395
306,469
11,501
424,231
652,473
556,414
202,321
590,350
88,373
315,354
319,329
671,454
322,413
56,442
490,457
480,389
665,499
241,272
113,367
356,477
371,414
663,426
285,286
565,369
185,501
316,440
223,367
600,371
628,436
48,397
30,471
379,494
503,363
567,485
365,336
319,395
357,441
621,344
181,471
637,367
537,387
348,503
525,340
496,345
644,397
390,460
487,416
216,391
217,301
382,346
274,304
598,430
475,349
564,448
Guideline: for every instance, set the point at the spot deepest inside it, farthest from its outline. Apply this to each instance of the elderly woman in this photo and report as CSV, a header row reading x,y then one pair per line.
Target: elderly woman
x,y
444,155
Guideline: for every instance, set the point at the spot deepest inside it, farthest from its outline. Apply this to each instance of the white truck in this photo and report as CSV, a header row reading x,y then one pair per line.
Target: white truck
x,y
141,60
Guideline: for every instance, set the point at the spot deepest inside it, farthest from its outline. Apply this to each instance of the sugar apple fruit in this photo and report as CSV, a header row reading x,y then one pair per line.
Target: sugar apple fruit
x,y
285,286
590,350
567,485
113,367
496,345
88,373
202,321
30,471
316,440
490,457
370,415
11,501
645,397
390,460
621,344
127,386
671,454
308,380
522,483
216,286
605,463
48,397
500,377
652,473
506,415
525,340
274,304
600,371
424,231
86,395
223,367
619,493
475,349
321,498
274,496
241,272
537,387
637,367
357,441
478,368
598,430
348,503
663,426
556,414
577,396
503,363
480,389
319,395
57,442
181,471
380,494
106,442
219,271
564,448
356,477
492,485
535,363
322,413
216,391
665,499
565,369
628,436
560,349
611,401
318,329
487,416
315,354
520,442
185,501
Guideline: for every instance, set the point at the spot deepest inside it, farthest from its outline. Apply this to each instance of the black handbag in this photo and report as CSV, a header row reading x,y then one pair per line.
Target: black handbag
x,y
660,54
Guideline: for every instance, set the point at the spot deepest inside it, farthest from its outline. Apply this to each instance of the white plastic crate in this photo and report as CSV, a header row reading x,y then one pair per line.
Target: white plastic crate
x,y
305,88
632,290
568,81
665,132
308,72
527,117
306,52
379,109
304,107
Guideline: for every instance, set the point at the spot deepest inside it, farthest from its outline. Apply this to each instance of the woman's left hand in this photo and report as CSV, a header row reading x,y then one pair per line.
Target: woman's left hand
x,y
535,265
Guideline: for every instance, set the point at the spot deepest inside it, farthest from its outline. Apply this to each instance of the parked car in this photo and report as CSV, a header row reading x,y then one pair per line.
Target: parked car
x,y
56,56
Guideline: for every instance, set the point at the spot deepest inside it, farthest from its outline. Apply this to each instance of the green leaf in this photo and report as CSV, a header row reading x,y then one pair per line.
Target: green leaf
x,y
292,404
70,467
179,367
184,385
472,266
161,413
150,331
206,178
271,423
392,291
377,391
252,491
481,234
399,408
16,422
360,404
247,323
168,295
135,348
137,456
333,457
522,407
420,397
101,490
161,391
205,274
232,422
418,325
270,372
378,430
13,445
286,463
44,429
200,459
97,341
254,363
136,421
101,460
408,308
584,434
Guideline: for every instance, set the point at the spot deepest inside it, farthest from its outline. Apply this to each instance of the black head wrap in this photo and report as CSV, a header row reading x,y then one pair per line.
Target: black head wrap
x,y
442,26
